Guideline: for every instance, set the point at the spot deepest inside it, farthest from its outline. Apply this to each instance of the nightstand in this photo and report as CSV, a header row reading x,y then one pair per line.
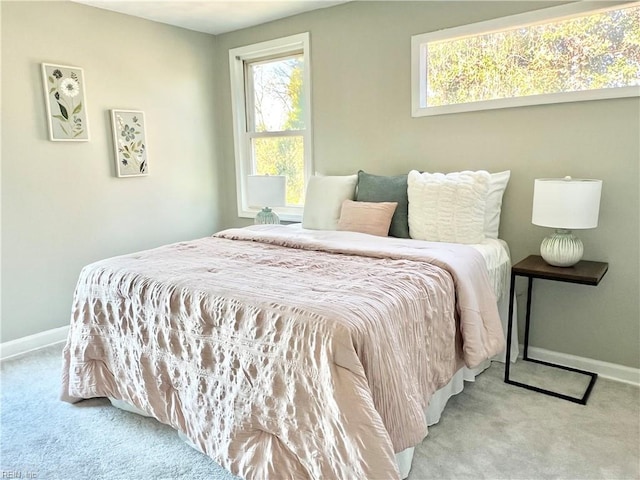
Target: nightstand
x,y
583,272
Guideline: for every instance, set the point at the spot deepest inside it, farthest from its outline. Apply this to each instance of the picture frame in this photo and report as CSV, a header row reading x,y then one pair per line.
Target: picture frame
x,y
129,143
65,100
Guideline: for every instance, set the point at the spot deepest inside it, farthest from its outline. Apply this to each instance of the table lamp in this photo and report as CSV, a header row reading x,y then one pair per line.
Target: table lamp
x,y
565,204
266,191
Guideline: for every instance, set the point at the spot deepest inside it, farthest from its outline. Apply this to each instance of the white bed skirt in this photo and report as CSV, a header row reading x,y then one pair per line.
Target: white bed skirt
x,y
439,399
436,406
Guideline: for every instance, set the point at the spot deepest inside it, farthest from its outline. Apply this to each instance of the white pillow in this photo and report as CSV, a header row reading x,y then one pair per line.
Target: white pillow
x,y
497,186
324,198
448,208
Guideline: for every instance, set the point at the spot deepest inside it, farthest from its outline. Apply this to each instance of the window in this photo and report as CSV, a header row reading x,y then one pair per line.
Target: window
x,y
270,87
559,54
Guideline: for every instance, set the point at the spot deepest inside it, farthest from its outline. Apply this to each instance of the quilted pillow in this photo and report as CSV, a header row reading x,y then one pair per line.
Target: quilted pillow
x,y
448,208
323,200
373,218
377,188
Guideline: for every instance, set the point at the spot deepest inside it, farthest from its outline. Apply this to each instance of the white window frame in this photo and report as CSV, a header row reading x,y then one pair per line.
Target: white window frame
x,y
419,108
241,134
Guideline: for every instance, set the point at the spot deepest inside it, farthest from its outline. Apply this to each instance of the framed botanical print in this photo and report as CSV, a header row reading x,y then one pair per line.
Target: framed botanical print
x,y
129,143
66,103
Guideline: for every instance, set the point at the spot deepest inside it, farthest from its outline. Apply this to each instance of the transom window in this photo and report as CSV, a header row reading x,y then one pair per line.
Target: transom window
x,y
560,54
270,95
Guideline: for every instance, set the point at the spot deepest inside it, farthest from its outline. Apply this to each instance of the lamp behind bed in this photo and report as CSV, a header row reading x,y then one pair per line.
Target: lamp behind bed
x,y
267,191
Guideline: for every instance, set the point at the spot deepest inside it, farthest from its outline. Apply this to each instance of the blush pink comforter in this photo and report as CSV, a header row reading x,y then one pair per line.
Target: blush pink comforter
x,y
280,355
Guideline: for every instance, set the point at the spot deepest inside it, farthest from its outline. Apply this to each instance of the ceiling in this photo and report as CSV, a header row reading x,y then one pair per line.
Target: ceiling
x,y
211,16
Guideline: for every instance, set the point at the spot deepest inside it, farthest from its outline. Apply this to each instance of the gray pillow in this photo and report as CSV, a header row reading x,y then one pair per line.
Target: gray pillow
x,y
377,188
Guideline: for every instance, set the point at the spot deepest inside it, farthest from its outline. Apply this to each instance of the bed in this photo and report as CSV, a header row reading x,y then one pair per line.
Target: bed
x,y
285,352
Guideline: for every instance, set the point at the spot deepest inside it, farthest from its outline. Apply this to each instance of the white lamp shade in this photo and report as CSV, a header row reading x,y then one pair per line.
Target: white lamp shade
x,y
566,203
266,190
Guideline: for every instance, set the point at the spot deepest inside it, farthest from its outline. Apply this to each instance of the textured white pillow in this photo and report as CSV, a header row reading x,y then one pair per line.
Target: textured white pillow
x,y
324,198
448,208
497,186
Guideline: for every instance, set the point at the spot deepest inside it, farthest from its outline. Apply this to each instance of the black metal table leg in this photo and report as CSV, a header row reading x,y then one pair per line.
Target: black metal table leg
x,y
507,359
582,400
525,354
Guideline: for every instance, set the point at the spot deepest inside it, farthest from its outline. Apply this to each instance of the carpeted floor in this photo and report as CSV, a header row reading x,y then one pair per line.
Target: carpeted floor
x,y
490,431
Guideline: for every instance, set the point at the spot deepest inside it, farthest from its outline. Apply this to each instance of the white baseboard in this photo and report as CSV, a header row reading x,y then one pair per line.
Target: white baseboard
x,y
612,371
33,342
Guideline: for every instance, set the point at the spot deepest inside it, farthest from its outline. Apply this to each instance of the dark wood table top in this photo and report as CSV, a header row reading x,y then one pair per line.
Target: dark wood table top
x,y
585,272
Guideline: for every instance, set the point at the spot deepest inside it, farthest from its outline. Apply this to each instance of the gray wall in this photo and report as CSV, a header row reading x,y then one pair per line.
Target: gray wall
x,y
360,55
62,206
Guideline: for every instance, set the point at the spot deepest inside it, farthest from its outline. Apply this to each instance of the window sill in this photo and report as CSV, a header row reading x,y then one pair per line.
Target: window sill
x,y
284,217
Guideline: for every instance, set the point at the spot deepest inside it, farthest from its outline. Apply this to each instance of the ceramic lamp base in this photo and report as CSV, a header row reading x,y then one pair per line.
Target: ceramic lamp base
x,y
562,249
266,216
